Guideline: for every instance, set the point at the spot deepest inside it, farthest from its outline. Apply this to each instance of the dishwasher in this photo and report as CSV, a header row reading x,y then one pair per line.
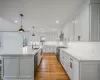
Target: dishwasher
x,y
0,72
58,52
35,63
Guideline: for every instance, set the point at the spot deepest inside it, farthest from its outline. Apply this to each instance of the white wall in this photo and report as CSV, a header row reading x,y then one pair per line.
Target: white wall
x,y
7,26
79,26
12,42
69,31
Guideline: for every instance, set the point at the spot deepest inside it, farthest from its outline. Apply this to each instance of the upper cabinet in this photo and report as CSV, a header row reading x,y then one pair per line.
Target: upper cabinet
x,y
81,25
86,25
49,36
95,22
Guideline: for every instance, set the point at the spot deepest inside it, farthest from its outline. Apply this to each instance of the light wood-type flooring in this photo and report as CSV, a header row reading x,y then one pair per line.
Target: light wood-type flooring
x,y
50,69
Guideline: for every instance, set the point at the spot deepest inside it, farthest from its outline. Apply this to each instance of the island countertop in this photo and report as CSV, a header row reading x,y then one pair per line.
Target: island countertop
x,y
24,52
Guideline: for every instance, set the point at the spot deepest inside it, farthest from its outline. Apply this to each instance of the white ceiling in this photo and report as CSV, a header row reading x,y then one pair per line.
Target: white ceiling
x,y
39,13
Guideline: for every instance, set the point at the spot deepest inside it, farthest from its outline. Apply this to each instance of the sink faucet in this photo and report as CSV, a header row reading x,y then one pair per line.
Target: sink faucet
x,y
33,45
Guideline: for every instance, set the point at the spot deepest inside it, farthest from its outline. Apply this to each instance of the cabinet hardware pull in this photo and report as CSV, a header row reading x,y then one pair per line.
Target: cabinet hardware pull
x,y
71,59
70,65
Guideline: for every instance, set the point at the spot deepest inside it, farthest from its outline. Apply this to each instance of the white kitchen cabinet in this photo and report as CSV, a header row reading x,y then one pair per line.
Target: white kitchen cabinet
x,y
50,36
85,26
65,61
75,71
81,25
95,22
90,70
62,58
67,64
10,72
18,67
80,69
87,23
49,49
26,68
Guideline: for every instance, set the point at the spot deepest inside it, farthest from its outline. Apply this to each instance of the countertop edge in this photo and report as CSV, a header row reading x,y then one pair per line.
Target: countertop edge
x,y
18,54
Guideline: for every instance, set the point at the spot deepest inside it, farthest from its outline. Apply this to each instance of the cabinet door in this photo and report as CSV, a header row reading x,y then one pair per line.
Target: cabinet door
x,y
70,69
66,62
82,25
10,68
62,59
95,22
75,73
61,53
26,68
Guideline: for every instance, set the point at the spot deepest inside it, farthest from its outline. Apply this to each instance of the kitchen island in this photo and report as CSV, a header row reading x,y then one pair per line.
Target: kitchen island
x,y
20,66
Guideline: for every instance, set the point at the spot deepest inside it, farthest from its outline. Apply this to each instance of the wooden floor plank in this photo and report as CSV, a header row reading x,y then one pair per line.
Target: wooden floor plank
x,y
50,69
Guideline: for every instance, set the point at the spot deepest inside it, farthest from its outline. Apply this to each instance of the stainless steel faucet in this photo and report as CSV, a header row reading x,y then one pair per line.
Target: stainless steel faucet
x,y
33,45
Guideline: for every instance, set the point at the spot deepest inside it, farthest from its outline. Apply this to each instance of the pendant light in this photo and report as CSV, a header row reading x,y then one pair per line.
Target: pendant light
x,y
21,29
33,32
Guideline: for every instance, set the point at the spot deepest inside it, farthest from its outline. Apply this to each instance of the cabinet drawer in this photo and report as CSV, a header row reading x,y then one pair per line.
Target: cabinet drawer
x,y
66,56
74,61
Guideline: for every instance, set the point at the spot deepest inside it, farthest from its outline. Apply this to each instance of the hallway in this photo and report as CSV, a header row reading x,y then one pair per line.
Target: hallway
x,y
50,69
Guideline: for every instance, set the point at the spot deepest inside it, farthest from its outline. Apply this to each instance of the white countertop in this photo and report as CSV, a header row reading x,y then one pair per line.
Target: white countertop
x,y
25,51
84,51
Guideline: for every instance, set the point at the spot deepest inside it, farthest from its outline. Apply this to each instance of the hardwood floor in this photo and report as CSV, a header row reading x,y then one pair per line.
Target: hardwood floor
x,y
50,69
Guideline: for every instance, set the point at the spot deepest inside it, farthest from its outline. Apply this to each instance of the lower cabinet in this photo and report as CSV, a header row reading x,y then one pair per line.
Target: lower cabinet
x,y
18,68
75,72
49,49
26,68
37,60
10,68
80,70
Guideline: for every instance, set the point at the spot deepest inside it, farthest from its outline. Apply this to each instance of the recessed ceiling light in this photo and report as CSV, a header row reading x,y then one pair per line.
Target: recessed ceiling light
x,y
57,22
40,29
53,29
28,29
16,21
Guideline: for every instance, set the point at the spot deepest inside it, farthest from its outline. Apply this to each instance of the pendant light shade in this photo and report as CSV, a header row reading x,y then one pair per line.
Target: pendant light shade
x,y
33,32
21,27
21,30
